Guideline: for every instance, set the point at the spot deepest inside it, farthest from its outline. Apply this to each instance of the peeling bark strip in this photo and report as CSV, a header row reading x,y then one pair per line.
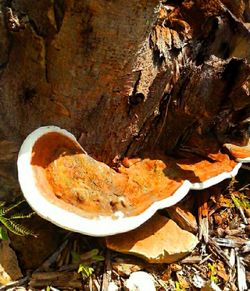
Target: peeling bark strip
x,y
125,76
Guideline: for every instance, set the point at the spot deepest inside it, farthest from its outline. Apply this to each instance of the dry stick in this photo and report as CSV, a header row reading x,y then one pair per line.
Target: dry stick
x,y
69,267
55,275
45,265
203,216
191,260
90,283
107,272
205,259
66,254
97,285
59,284
160,282
241,274
232,257
232,270
64,257
215,249
229,242
58,279
15,283
241,211
48,262
246,247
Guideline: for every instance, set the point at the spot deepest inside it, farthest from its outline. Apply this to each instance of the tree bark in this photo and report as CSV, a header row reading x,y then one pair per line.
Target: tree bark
x,y
126,77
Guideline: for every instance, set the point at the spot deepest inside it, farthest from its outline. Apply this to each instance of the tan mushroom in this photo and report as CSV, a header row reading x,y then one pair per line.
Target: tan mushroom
x,y
66,186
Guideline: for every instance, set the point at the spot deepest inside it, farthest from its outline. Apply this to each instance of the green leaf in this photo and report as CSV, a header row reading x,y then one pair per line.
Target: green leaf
x,y
94,252
75,257
178,286
241,201
213,277
3,234
98,258
236,201
85,270
89,255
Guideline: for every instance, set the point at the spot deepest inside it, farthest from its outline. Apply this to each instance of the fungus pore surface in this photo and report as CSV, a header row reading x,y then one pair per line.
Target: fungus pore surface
x,y
59,178
64,173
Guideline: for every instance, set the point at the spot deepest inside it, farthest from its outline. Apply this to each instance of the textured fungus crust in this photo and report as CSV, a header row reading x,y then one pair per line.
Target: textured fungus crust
x,y
72,176
240,153
71,179
64,171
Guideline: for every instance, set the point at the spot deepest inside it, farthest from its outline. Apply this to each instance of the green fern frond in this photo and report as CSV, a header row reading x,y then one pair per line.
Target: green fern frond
x,y
13,206
2,203
21,215
19,229
7,224
4,220
2,209
8,220
15,228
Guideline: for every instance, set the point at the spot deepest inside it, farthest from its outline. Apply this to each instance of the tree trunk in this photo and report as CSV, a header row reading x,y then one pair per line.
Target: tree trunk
x,y
126,77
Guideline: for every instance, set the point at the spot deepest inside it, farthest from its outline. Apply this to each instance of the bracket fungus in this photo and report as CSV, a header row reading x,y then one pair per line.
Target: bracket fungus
x,y
240,153
66,186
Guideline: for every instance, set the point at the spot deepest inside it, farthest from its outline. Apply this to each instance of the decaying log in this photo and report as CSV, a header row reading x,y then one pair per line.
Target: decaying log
x,y
124,77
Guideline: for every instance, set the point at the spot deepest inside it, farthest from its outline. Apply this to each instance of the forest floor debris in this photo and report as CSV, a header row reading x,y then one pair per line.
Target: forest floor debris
x,y
220,218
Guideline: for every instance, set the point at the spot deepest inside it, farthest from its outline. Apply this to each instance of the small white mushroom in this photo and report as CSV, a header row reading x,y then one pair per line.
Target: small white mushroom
x,y
140,281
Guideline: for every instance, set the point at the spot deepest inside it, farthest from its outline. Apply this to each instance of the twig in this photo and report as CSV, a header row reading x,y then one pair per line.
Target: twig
x,y
191,260
15,283
73,284
214,248
205,259
69,267
242,214
203,217
241,274
97,285
48,262
229,243
58,279
241,211
90,283
232,270
160,282
107,272
246,247
232,257
63,257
